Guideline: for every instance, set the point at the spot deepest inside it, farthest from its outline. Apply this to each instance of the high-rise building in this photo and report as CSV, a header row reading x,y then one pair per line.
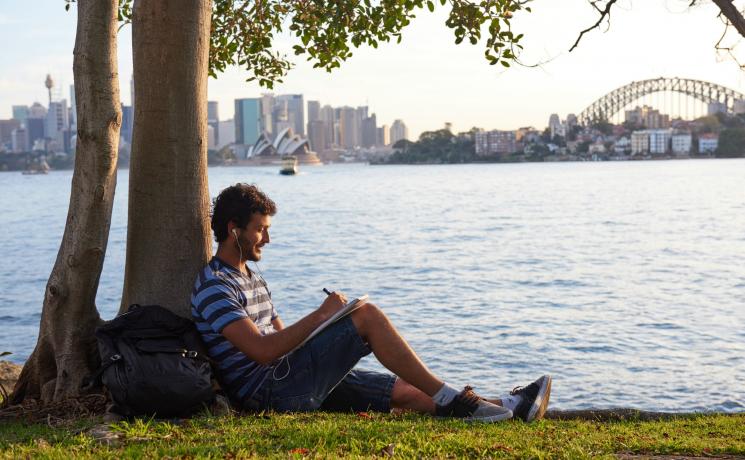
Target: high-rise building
x,y
399,131
21,113
659,141
213,120
349,136
19,140
225,133
248,120
715,107
383,136
328,116
639,142
127,119
554,125
369,131
57,124
6,132
317,135
35,127
37,111
267,112
73,110
295,109
314,111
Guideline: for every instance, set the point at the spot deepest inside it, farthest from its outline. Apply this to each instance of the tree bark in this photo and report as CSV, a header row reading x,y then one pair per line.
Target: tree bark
x,y
168,238
66,351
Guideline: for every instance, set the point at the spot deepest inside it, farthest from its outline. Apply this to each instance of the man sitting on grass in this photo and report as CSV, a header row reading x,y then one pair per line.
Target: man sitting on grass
x,y
253,349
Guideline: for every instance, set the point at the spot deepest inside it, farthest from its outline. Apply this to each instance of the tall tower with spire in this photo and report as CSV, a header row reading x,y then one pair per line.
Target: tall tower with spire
x,y
49,83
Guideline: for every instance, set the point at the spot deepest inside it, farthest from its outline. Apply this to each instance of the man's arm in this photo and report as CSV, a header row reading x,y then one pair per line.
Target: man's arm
x,y
264,349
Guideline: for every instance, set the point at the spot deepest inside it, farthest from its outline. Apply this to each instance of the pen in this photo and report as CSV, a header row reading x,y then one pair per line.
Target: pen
x,y
326,291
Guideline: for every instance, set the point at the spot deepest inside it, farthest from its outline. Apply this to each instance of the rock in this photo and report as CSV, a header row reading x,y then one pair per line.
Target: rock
x,y
9,373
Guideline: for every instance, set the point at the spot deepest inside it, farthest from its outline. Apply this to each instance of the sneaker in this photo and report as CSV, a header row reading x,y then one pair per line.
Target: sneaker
x,y
533,399
473,408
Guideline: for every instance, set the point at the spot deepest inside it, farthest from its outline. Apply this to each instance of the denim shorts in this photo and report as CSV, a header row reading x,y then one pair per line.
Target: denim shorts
x,y
320,375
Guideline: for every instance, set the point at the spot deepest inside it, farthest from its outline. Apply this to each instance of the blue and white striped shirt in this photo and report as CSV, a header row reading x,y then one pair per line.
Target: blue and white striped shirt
x,y
222,295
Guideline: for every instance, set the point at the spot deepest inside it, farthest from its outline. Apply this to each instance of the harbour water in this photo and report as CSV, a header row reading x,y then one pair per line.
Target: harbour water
x,y
623,280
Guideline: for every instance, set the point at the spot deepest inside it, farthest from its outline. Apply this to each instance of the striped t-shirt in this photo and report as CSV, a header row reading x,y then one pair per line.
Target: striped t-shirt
x,y
221,295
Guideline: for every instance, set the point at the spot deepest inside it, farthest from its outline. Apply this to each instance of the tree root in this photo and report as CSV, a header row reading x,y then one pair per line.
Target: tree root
x,y
56,413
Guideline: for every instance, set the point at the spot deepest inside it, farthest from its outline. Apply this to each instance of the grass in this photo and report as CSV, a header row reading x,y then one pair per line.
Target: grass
x,y
369,435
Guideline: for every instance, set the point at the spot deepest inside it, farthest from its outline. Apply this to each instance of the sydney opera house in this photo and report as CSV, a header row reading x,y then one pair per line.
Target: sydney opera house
x,y
266,151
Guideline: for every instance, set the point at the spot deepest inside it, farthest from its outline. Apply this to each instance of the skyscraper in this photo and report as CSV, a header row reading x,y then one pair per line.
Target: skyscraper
x,y
399,131
295,108
349,134
213,120
21,113
314,111
317,135
328,116
383,135
248,120
369,131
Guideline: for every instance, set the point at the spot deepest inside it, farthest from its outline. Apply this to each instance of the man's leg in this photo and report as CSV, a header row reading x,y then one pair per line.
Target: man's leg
x,y
392,350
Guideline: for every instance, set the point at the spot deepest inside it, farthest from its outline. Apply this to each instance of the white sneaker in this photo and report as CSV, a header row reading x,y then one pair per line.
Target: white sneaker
x,y
473,408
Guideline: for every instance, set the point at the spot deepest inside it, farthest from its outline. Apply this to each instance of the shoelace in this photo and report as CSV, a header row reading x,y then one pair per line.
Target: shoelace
x,y
468,396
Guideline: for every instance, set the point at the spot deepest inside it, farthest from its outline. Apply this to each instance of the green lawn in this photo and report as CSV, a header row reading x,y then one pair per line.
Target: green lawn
x,y
368,435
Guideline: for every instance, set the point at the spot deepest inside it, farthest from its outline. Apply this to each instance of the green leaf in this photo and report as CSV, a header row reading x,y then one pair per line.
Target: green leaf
x,y
430,5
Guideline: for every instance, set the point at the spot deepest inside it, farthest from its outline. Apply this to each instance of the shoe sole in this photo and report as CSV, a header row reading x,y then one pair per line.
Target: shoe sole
x,y
538,409
494,418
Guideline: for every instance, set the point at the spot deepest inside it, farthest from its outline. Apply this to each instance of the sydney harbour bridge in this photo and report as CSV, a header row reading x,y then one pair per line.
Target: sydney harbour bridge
x,y
679,97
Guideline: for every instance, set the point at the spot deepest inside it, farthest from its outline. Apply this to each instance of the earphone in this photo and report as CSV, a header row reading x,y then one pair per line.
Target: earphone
x,y
240,249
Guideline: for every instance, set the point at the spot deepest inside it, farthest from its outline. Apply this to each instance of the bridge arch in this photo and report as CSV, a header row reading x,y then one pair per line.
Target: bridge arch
x,y
616,100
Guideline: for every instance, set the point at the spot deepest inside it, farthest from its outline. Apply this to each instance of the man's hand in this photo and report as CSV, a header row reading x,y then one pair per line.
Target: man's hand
x,y
333,303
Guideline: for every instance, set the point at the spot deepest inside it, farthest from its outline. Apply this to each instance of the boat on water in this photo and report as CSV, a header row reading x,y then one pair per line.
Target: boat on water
x,y
36,167
289,165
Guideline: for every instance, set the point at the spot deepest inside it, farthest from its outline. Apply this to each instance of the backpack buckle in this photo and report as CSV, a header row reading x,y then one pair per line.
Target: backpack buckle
x,y
191,354
115,357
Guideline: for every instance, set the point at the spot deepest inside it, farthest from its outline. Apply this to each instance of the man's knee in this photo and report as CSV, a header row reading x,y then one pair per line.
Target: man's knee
x,y
366,314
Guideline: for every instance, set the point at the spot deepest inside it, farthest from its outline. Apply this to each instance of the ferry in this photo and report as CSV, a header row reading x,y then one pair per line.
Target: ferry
x,y
289,165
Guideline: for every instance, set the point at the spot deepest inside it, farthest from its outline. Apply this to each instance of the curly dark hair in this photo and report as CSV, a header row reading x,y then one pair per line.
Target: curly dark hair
x,y
238,203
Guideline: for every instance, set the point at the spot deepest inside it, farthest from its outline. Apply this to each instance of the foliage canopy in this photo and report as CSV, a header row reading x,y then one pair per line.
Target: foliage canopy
x,y
245,32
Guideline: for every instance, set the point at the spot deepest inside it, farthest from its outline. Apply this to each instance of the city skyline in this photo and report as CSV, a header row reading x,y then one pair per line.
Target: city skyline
x,y
426,80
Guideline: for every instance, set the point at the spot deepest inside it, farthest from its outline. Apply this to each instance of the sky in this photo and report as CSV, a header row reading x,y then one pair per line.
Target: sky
x,y
426,80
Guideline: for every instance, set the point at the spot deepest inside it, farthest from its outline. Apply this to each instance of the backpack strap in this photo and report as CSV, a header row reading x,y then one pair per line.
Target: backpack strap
x,y
95,379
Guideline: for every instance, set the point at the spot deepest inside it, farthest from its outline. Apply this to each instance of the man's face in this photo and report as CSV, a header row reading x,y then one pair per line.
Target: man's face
x,y
254,236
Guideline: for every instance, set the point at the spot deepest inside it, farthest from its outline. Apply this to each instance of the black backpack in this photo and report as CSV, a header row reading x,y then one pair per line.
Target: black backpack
x,y
154,363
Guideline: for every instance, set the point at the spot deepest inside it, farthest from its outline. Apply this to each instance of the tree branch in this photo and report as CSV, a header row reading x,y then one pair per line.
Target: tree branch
x,y
733,15
603,14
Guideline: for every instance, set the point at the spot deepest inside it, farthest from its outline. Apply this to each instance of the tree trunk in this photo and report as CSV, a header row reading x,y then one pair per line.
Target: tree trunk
x,y
168,238
66,349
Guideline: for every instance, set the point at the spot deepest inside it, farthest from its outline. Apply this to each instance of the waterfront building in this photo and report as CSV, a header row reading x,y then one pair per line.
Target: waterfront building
x,y
211,141
639,142
249,123
707,143
659,141
494,142
399,131
681,143
622,146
